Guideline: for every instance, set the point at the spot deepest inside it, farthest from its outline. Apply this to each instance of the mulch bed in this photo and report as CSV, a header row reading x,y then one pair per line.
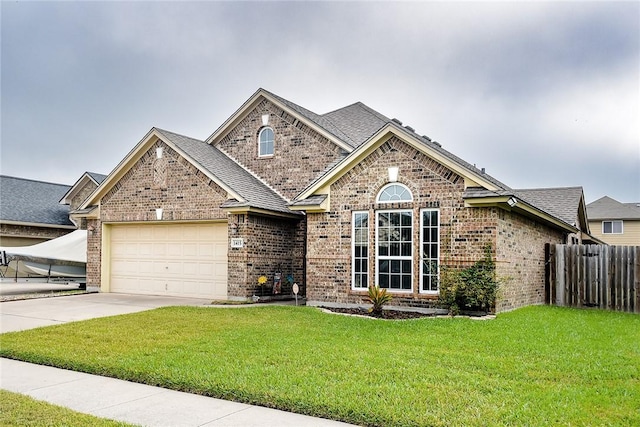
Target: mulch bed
x,y
386,314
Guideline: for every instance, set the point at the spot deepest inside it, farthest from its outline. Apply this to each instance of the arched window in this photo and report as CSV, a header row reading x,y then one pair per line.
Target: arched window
x,y
265,142
395,193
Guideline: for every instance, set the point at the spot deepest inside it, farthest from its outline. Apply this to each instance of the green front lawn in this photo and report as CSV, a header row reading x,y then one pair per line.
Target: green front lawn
x,y
534,366
19,411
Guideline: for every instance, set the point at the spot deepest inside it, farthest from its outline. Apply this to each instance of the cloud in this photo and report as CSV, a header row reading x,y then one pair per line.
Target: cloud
x,y
516,87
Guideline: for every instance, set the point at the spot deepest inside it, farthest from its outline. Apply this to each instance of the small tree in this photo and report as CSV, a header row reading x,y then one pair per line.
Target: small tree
x,y
378,297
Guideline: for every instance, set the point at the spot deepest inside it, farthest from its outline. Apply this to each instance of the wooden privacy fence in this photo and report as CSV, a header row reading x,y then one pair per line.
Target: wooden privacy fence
x,y
601,276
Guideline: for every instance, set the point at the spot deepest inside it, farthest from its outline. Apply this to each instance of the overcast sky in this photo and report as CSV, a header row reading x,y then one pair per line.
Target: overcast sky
x,y
541,94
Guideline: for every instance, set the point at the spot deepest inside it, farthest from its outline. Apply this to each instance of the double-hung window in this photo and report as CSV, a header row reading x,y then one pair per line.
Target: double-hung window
x,y
612,227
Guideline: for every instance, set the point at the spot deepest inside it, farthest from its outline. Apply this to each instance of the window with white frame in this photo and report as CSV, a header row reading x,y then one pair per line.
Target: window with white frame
x,y
429,250
265,142
612,227
394,193
394,249
360,259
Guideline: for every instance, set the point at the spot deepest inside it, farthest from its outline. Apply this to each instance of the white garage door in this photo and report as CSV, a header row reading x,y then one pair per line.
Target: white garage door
x,y
188,260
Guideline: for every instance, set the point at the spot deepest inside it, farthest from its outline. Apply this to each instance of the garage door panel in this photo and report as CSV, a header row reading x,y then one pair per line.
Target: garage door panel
x,y
170,259
175,250
206,250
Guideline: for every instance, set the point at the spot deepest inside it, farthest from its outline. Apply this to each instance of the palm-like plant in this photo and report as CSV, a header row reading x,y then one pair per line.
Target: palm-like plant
x,y
378,297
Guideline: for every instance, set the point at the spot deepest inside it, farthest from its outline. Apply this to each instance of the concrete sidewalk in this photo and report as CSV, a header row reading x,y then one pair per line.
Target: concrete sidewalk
x,y
138,403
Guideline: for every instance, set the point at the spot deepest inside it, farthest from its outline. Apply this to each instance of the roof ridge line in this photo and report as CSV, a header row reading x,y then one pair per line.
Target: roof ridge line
x,y
35,180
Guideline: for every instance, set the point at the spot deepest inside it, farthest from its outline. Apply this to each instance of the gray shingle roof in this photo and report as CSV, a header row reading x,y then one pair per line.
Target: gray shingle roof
x,y
608,208
97,177
254,192
29,201
563,203
357,122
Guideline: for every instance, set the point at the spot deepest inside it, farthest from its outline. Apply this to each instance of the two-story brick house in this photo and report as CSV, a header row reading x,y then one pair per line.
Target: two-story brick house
x,y
337,202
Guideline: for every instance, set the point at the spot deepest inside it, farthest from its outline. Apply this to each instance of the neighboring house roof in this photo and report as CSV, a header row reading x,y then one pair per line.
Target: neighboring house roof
x,y
253,192
96,178
30,202
608,208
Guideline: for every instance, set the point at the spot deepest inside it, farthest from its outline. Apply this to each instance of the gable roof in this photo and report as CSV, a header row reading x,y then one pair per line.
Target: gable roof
x,y
313,120
29,202
608,208
251,192
96,178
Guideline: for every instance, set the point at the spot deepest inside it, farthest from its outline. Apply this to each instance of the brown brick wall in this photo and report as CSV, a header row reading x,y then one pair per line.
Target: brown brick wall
x,y
186,195
82,195
520,261
94,251
300,153
270,245
464,232
432,186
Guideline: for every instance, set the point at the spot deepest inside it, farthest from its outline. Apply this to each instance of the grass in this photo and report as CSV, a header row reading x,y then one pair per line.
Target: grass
x,y
18,410
533,366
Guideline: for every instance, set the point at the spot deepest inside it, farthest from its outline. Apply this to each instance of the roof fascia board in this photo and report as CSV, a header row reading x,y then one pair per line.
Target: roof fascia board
x,y
134,155
258,211
253,101
382,136
92,214
37,224
320,207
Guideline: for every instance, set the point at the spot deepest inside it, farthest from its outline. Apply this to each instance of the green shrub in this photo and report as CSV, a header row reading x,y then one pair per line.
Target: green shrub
x,y
378,297
470,289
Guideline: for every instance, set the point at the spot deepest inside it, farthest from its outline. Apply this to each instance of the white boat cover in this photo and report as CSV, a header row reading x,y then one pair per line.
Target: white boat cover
x,y
70,247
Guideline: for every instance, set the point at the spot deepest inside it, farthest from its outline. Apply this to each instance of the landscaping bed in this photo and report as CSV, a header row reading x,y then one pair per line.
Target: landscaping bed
x,y
386,314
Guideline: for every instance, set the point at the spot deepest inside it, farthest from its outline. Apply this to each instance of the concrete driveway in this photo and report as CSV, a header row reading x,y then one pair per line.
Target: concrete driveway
x,y
33,313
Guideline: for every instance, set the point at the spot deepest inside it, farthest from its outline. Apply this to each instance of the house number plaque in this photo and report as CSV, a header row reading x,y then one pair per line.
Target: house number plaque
x,y
237,242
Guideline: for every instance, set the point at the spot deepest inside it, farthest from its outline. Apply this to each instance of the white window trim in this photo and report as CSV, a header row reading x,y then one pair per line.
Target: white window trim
x,y
353,250
391,184
410,257
260,142
612,221
429,292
